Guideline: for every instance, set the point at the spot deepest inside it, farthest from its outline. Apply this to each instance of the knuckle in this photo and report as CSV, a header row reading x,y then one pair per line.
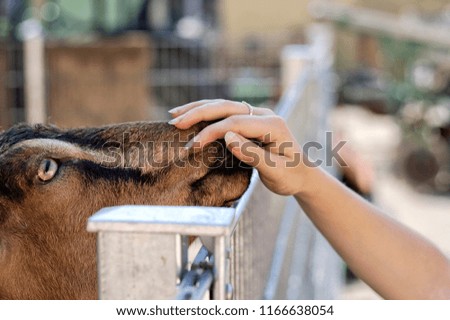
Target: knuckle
x,y
267,111
232,120
216,102
212,131
201,109
277,120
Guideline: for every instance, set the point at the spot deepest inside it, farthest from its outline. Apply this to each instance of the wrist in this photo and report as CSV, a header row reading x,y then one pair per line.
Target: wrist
x,y
310,178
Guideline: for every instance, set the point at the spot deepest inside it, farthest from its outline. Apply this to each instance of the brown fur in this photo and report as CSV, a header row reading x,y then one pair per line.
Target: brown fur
x,y
45,250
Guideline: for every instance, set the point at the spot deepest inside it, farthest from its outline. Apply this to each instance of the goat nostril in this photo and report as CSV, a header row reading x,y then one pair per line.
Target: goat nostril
x,y
47,169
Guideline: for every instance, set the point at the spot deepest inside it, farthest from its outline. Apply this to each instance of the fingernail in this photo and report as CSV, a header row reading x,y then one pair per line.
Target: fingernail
x,y
230,135
176,120
174,110
191,143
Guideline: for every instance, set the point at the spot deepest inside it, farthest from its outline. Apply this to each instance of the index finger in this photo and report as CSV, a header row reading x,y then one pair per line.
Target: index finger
x,y
214,110
189,106
263,128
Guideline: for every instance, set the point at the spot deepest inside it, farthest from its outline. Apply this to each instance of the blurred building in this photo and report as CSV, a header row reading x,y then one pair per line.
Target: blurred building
x,y
183,50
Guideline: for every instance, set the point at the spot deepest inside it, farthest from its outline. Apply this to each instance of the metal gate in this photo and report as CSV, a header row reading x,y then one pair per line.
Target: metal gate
x,y
263,248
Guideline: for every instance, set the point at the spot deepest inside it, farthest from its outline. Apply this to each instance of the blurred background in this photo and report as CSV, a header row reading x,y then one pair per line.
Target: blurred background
x,y
93,62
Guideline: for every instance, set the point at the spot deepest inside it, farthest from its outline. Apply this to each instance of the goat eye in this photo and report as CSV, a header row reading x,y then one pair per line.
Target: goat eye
x,y
47,169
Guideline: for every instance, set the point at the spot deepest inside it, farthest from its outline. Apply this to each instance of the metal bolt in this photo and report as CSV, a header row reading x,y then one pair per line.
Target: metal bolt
x,y
229,252
229,291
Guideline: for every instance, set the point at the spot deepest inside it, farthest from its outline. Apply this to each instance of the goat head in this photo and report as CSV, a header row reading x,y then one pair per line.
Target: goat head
x,y
52,180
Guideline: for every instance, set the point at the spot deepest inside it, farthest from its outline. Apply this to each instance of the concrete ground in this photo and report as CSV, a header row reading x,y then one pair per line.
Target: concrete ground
x,y
376,138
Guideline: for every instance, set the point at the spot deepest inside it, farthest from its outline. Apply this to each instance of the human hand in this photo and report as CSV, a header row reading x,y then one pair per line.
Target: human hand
x,y
277,157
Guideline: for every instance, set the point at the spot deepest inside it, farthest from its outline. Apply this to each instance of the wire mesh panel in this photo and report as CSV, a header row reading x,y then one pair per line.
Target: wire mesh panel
x,y
186,70
4,112
183,72
12,101
127,77
11,83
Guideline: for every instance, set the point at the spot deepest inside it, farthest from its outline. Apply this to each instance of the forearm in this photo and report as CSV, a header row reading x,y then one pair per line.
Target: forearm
x,y
393,260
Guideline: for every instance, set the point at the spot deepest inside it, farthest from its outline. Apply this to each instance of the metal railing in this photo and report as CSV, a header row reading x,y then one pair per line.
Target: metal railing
x,y
263,248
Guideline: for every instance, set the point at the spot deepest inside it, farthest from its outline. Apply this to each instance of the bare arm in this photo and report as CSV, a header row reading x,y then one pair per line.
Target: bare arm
x,y
395,261
392,259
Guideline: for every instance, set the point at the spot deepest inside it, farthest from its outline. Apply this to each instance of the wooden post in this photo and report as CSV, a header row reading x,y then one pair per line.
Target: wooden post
x,y
34,71
34,66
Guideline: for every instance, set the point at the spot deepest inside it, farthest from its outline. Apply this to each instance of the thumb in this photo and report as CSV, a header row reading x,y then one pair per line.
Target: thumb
x,y
245,150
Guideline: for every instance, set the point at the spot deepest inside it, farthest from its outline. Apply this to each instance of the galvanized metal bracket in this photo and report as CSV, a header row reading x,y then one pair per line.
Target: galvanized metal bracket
x,y
142,255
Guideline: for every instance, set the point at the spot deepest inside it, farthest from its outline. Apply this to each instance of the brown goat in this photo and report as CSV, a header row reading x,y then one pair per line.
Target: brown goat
x,y
52,180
